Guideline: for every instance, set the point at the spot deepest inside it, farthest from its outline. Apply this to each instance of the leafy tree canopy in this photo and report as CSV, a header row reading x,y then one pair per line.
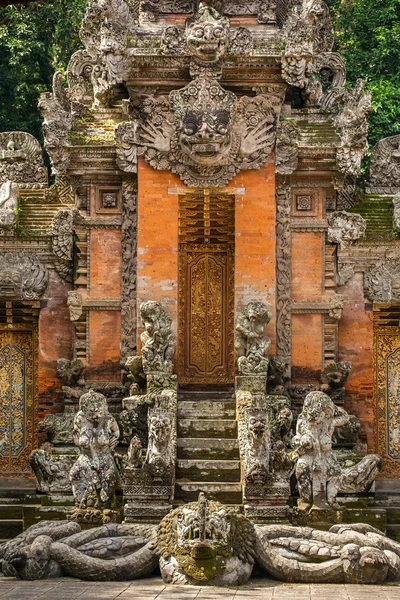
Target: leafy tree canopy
x,y
38,38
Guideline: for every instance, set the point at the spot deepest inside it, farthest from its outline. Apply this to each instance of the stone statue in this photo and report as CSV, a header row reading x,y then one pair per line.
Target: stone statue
x,y
158,342
256,463
160,459
333,380
318,473
251,344
94,475
59,426
51,469
203,543
9,194
70,371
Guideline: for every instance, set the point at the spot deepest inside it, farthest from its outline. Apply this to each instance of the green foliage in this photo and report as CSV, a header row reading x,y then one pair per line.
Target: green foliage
x,y
36,39
368,37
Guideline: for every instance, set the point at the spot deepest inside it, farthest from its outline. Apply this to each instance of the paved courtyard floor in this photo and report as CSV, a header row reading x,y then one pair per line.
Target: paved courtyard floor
x,y
154,589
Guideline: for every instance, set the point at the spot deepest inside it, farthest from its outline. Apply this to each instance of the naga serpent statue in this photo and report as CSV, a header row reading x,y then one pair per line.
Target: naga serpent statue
x,y
203,543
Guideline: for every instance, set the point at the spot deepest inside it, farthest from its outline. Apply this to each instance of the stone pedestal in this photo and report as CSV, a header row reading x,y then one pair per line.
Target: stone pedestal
x,y
256,384
267,503
146,499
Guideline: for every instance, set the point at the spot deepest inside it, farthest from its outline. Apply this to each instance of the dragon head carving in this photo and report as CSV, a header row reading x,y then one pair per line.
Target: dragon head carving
x,y
203,540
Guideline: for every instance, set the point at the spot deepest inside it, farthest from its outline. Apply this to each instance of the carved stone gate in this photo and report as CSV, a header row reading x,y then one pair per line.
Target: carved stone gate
x,y
18,427
206,288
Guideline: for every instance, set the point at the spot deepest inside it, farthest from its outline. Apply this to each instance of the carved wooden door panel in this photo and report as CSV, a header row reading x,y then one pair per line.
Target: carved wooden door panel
x,y
17,401
206,314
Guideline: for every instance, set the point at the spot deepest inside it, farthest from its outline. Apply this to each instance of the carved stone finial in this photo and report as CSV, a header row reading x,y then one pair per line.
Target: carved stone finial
x,y
308,32
9,194
384,170
352,127
21,159
251,344
345,228
158,342
22,277
58,121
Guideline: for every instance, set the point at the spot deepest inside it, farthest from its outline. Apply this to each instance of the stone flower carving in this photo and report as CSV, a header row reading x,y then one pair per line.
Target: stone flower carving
x,y
382,282
94,475
203,133
352,126
22,277
21,159
158,342
345,228
9,194
318,473
251,343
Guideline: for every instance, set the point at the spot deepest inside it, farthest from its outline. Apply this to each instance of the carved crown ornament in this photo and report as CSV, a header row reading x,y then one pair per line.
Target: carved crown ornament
x,y
201,132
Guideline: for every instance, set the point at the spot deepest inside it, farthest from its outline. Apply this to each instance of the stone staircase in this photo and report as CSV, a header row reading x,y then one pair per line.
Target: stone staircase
x,y
208,451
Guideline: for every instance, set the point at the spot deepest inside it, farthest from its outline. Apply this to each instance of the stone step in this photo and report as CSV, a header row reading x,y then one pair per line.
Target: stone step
x,y
10,528
208,448
206,409
227,493
208,470
211,395
206,428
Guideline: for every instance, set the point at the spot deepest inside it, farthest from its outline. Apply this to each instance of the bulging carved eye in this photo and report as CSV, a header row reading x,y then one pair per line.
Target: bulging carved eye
x,y
218,31
199,33
190,124
222,129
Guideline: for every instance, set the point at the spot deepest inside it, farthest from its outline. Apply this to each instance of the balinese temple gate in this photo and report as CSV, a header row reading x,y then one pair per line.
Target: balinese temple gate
x,y
200,265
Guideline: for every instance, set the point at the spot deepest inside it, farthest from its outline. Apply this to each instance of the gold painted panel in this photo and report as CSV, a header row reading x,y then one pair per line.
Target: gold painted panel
x,y
18,394
206,353
387,389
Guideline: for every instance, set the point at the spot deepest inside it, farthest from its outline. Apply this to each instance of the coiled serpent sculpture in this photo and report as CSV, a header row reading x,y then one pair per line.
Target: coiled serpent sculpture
x,y
203,543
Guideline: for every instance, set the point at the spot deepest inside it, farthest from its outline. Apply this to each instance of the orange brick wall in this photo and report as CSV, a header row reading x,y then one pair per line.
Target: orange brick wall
x,y
55,341
157,265
255,241
105,263
104,340
307,266
356,345
306,348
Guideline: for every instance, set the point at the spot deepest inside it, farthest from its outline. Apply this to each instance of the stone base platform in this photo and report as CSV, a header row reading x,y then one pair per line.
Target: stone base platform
x,y
153,588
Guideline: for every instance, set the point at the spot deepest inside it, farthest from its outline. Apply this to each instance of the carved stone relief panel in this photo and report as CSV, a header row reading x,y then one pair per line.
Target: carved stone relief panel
x,y
305,203
384,172
108,200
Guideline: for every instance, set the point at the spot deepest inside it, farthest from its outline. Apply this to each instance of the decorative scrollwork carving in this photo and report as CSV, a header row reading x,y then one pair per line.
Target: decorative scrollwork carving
x,y
21,158
22,277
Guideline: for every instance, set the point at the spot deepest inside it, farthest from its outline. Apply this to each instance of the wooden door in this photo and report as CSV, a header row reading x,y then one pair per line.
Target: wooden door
x,y
206,294
17,401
